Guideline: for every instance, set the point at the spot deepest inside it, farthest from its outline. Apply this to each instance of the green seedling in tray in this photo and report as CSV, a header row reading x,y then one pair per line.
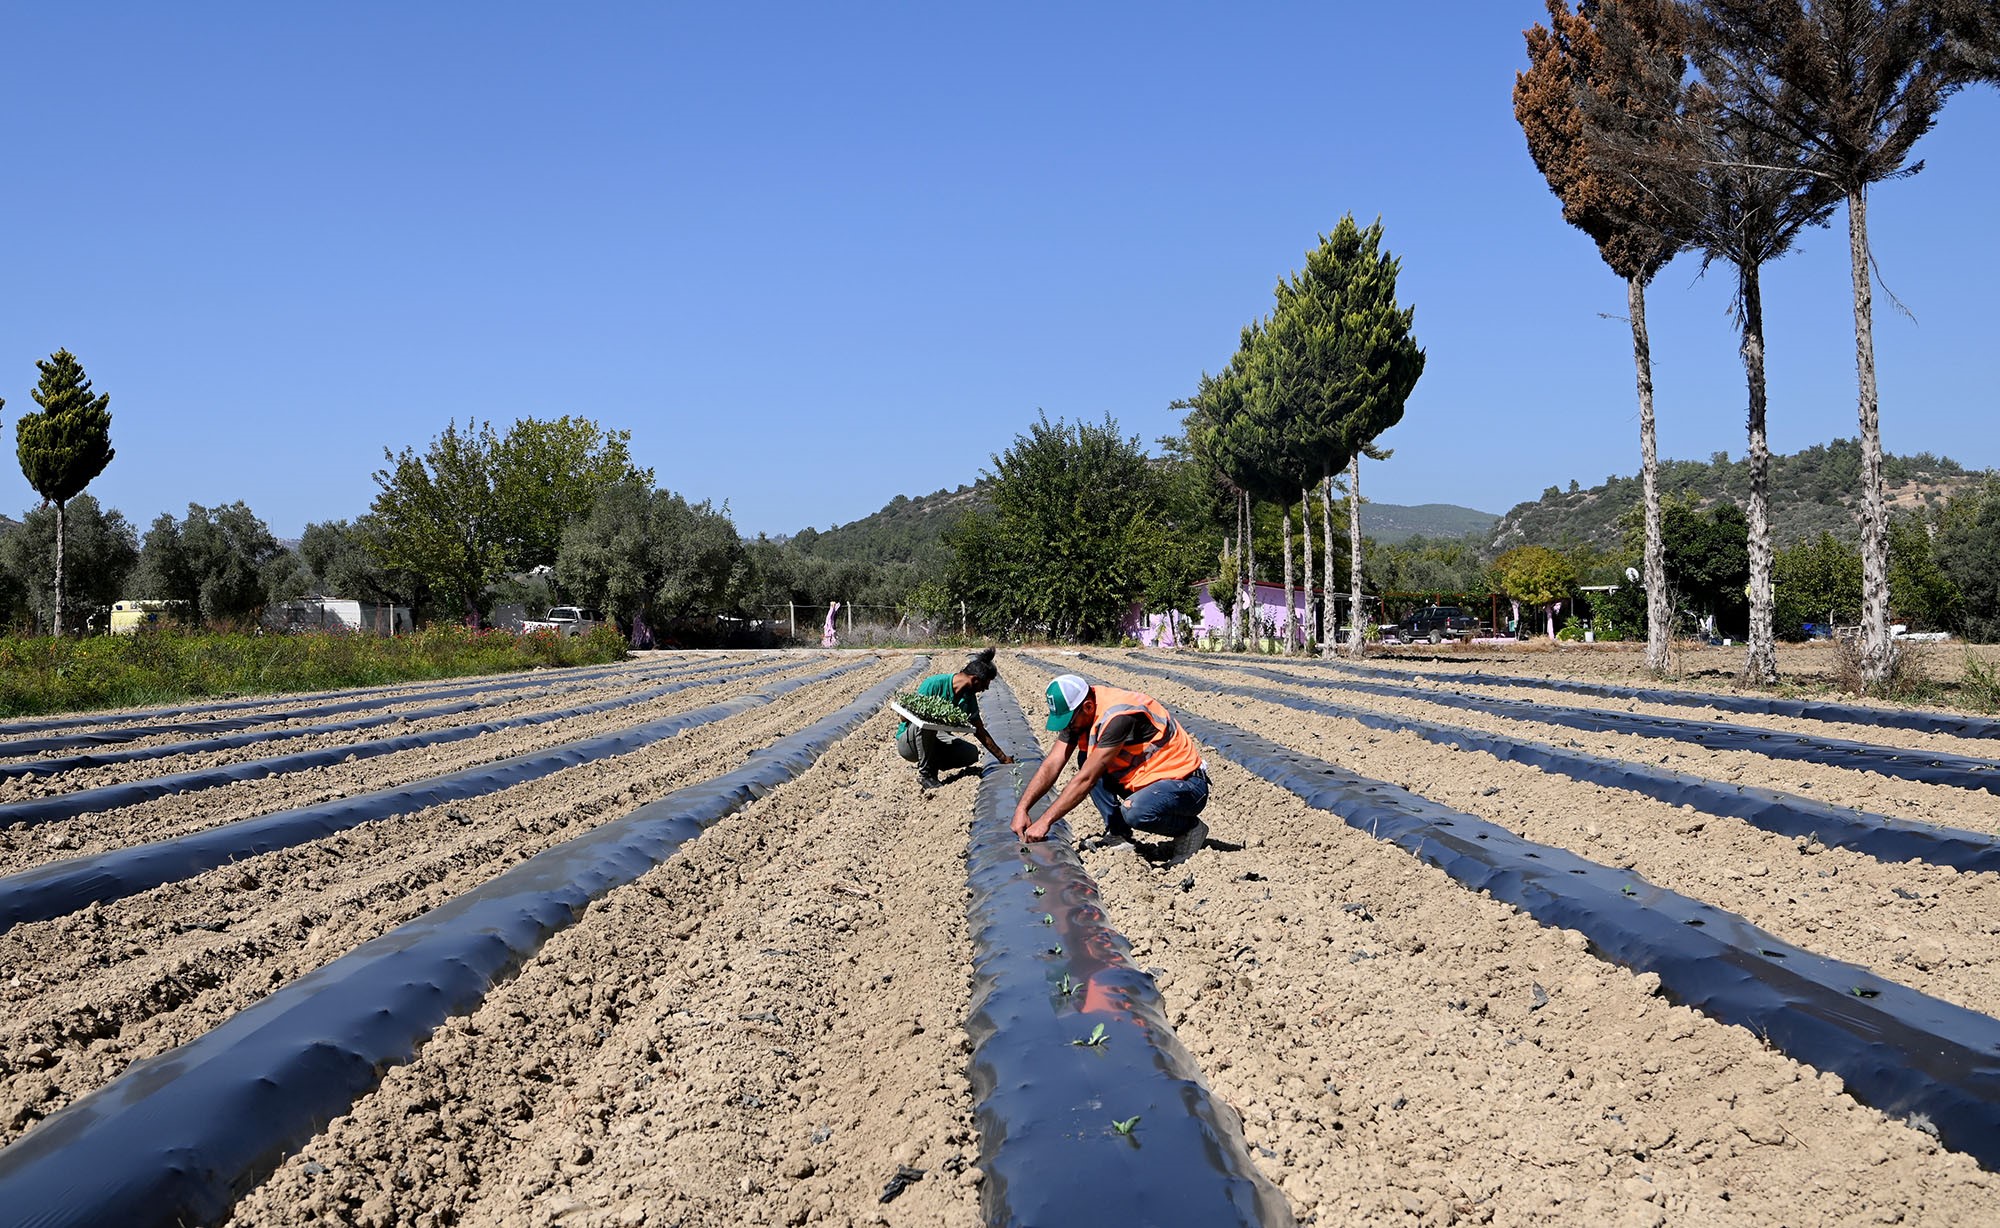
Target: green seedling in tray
x,y
1092,1041
933,709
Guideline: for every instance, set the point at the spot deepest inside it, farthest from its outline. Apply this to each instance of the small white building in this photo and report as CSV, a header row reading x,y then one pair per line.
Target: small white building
x,y
339,614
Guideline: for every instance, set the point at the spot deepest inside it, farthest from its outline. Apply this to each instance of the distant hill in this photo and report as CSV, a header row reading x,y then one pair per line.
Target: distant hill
x,y
1392,524
1811,491
912,529
905,531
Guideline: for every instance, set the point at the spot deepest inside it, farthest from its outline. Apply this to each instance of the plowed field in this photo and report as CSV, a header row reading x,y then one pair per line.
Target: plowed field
x,y
767,1027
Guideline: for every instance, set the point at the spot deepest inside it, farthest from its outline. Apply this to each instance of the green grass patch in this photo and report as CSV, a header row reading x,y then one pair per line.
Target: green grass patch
x,y
42,675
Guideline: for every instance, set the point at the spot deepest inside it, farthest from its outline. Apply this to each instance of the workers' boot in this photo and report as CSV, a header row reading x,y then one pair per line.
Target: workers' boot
x,y
1188,843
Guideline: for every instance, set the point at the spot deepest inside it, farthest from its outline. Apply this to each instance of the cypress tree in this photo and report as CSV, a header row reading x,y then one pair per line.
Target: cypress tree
x,y
63,448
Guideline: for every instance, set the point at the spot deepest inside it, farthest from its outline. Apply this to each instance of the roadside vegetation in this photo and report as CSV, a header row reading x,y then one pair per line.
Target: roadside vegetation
x,y
43,674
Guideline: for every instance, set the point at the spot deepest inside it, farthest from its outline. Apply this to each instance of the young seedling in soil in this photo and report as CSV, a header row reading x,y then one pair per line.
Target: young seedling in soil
x,y
1094,1040
1041,891
1055,951
1067,985
1125,1127
1048,919
1627,890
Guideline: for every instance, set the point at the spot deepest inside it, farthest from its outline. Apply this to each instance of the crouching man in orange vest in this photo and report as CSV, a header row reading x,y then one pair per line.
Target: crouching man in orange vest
x,y
1141,768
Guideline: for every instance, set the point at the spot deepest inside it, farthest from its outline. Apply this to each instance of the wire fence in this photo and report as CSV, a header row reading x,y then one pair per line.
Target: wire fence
x,y
841,623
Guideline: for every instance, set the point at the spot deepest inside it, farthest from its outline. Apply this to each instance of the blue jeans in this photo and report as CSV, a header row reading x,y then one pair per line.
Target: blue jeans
x,y
1163,808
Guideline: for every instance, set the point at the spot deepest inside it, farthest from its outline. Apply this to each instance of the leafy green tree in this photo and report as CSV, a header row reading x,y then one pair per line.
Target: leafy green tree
x,y
1570,85
546,474
437,517
1536,575
214,560
102,551
649,556
1816,580
63,448
1066,549
1705,553
1967,549
1921,591
1851,85
1426,565
341,564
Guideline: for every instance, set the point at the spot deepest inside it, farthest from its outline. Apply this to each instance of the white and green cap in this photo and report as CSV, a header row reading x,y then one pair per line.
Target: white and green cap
x,y
1066,695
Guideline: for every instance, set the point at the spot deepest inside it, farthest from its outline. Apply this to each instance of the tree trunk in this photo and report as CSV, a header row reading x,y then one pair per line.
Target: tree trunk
x,y
1357,643
1876,650
1329,621
1306,560
1243,565
1658,615
1291,598
1761,666
59,567
1253,629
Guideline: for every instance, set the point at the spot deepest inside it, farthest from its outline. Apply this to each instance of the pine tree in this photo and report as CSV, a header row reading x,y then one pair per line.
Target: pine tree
x,y
63,448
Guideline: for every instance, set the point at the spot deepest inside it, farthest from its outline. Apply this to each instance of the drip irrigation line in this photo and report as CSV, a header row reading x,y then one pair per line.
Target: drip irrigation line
x,y
132,733
1047,1106
179,1138
1913,1056
64,887
131,793
1874,835
1925,767
1957,725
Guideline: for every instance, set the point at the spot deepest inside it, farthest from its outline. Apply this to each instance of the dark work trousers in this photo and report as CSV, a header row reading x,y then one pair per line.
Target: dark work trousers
x,y
934,754
1164,808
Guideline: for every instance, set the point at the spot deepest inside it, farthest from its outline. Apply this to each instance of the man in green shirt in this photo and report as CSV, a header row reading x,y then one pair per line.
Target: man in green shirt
x,y
932,752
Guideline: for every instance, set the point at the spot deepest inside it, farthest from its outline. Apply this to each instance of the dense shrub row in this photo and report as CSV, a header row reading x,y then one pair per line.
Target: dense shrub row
x,y
43,674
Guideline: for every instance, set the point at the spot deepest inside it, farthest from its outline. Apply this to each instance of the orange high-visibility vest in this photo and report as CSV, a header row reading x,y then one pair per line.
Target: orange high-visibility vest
x,y
1171,753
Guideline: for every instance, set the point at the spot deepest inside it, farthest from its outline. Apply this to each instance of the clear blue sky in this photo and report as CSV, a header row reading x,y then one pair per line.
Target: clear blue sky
x,y
814,256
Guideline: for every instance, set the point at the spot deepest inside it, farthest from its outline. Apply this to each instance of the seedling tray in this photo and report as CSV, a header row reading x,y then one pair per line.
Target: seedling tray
x,y
934,726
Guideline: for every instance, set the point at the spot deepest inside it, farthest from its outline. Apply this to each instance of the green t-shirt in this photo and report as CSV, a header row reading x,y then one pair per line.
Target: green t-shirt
x,y
940,686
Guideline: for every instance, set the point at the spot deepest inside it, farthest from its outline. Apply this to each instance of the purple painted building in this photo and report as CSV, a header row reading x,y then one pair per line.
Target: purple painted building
x,y
1209,625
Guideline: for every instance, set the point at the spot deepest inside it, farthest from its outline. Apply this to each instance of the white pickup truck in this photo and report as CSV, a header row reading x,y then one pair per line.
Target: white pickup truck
x,y
567,621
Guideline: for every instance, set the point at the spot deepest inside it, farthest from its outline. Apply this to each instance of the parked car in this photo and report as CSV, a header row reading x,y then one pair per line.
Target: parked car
x,y
1435,622
567,621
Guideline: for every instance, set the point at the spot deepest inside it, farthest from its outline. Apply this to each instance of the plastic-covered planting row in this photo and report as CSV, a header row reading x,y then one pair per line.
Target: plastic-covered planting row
x,y
179,1138
393,692
1874,835
255,737
117,735
63,887
131,793
1090,1111
1953,723
1926,767
1903,1052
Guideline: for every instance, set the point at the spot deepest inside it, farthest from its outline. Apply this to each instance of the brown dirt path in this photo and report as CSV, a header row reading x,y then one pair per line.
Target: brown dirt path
x,y
758,1032
1929,927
